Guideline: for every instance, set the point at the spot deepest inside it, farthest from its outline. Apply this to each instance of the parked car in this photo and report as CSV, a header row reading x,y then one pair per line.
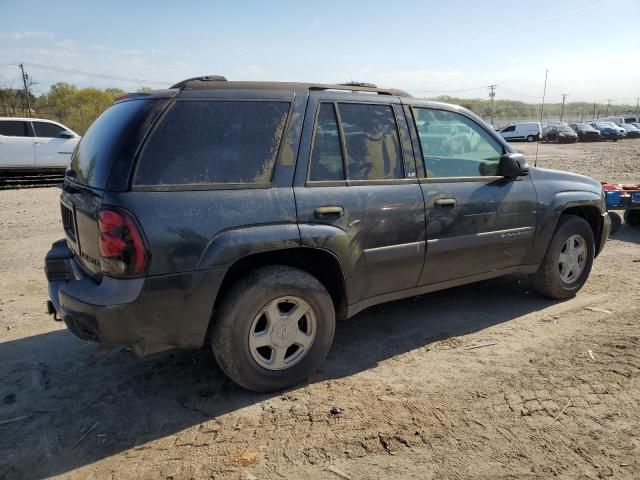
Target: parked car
x,y
35,144
608,131
252,215
632,130
561,134
529,131
632,119
585,132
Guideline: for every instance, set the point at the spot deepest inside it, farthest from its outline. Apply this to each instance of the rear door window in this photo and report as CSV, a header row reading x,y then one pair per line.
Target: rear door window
x,y
371,141
15,128
214,142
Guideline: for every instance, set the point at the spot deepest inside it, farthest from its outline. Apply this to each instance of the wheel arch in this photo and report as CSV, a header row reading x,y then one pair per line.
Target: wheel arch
x,y
584,204
592,215
321,263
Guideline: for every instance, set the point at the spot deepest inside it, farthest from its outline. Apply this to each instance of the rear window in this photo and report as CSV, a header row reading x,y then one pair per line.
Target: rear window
x,y
214,142
97,151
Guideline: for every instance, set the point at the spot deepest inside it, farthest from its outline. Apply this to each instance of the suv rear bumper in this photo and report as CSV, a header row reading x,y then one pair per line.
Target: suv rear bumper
x,y
150,314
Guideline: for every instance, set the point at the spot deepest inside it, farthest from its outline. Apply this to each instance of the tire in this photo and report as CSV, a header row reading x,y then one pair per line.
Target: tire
x,y
616,222
549,280
530,138
632,217
243,312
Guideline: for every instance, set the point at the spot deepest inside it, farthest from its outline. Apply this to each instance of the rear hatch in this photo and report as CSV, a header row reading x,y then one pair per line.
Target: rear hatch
x,y
102,162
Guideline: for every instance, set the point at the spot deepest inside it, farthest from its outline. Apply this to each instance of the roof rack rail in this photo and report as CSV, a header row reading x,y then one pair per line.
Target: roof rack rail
x,y
201,78
362,87
359,84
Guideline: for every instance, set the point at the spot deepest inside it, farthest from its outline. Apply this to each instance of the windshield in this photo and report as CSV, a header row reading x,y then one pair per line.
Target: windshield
x,y
565,129
92,160
583,126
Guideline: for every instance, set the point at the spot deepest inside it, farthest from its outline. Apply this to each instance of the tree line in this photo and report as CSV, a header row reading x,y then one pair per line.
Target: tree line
x,y
77,107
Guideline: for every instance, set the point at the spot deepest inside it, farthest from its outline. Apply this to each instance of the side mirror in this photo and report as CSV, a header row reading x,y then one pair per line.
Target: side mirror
x,y
513,165
66,134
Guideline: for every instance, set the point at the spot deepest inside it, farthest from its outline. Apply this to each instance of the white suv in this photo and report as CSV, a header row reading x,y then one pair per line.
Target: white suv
x,y
34,143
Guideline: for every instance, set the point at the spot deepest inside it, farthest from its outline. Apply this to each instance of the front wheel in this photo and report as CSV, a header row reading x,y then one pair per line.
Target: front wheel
x,y
530,138
273,328
567,263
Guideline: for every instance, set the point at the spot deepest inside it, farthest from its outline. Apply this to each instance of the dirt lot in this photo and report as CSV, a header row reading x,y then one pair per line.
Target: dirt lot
x,y
552,389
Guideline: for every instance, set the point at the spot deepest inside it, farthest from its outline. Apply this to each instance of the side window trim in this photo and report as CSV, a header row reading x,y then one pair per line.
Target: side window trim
x,y
474,178
343,146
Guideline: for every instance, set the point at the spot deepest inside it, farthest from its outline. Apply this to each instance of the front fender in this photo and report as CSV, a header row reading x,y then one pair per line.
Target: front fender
x,y
549,213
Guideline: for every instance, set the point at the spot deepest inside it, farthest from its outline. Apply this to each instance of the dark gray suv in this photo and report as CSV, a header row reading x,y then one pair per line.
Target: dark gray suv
x,y
253,215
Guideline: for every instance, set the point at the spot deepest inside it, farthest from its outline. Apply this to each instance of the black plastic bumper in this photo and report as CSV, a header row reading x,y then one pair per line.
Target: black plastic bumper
x,y
149,313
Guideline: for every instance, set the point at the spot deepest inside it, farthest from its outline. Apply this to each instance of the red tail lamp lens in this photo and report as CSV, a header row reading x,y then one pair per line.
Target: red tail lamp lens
x,y
122,251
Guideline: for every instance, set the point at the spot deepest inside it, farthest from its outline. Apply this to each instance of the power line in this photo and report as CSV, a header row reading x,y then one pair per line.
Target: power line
x,y
90,74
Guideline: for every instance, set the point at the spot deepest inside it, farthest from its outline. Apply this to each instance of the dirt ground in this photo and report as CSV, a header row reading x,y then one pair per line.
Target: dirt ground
x,y
484,381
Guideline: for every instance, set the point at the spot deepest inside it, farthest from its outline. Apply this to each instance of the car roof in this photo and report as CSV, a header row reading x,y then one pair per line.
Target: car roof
x,y
26,119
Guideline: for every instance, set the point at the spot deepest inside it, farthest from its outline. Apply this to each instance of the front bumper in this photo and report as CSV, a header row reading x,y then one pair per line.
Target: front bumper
x,y
150,314
606,230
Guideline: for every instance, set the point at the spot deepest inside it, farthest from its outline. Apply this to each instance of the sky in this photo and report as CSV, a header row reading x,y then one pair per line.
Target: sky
x,y
457,48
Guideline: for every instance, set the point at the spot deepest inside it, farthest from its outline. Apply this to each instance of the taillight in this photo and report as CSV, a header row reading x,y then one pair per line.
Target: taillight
x,y
122,250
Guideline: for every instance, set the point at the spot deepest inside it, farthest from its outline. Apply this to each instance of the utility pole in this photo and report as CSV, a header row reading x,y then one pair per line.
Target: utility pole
x,y
564,97
492,94
608,103
26,90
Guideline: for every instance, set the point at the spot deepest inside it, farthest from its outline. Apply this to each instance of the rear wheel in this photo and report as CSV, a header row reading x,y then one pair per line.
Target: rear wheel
x,y
567,263
273,328
632,217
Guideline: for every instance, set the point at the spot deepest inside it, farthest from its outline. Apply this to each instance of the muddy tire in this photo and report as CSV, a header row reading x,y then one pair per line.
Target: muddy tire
x,y
273,328
632,217
567,263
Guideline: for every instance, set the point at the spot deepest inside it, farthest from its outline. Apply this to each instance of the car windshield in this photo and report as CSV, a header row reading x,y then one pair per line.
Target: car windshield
x,y
565,129
583,126
607,125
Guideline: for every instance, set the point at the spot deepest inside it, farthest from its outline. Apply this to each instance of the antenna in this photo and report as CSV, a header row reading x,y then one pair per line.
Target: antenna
x,y
544,93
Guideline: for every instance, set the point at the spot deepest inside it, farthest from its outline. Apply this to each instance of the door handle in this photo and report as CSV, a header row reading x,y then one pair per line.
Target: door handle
x,y
329,211
445,203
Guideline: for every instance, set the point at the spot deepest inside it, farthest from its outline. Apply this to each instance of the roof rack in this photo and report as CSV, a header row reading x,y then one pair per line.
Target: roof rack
x,y
359,84
201,78
362,87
